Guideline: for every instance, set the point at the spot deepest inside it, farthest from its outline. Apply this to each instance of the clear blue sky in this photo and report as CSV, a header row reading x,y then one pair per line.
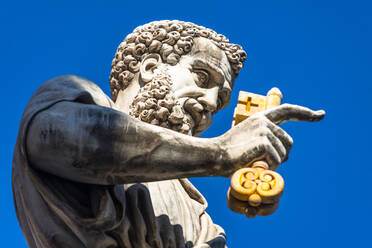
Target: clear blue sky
x,y
319,53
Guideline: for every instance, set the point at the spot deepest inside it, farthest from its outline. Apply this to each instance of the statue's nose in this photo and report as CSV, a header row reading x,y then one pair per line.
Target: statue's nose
x,y
209,99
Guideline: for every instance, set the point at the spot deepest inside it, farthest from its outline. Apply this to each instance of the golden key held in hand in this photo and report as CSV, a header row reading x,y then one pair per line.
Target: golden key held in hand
x,y
255,190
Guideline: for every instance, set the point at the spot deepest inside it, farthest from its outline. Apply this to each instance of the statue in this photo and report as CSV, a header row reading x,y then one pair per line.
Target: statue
x,y
89,171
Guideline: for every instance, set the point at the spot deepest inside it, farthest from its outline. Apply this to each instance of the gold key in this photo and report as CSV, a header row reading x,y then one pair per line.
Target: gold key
x,y
255,190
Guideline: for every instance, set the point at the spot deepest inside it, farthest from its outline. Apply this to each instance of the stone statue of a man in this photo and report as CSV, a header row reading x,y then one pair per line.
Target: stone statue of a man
x,y
92,172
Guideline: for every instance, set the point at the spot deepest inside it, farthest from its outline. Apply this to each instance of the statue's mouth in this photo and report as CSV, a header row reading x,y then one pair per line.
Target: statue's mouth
x,y
198,115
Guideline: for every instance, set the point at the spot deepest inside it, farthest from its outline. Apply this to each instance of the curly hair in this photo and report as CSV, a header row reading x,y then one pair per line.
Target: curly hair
x,y
169,39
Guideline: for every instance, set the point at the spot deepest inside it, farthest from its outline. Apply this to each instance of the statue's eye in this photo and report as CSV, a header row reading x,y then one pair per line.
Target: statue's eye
x,y
202,78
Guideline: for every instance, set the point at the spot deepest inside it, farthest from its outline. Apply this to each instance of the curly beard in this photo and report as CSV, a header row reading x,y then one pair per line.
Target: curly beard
x,y
156,104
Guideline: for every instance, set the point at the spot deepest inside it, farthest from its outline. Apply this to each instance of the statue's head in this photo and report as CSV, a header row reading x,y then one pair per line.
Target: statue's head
x,y
175,74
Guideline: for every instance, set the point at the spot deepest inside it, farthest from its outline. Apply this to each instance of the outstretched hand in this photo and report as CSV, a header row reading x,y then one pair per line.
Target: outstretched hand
x,y
260,138
291,112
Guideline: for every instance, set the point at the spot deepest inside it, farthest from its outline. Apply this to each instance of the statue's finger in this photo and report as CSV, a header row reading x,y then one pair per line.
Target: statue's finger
x,y
278,145
272,156
290,112
284,137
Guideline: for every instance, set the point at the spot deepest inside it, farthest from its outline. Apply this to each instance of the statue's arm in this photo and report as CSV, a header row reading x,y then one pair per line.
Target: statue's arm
x,y
95,144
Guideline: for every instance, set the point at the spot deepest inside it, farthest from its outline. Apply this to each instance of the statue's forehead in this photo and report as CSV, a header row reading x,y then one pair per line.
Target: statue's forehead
x,y
205,49
206,46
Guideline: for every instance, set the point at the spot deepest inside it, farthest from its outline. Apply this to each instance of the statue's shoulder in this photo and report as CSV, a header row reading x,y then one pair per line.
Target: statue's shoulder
x,y
72,88
64,88
69,83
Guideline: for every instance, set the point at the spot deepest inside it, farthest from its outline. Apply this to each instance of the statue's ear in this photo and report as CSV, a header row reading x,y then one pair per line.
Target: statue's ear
x,y
148,65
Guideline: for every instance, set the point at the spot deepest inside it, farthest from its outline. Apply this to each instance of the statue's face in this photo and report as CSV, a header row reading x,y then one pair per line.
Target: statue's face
x,y
201,82
183,97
